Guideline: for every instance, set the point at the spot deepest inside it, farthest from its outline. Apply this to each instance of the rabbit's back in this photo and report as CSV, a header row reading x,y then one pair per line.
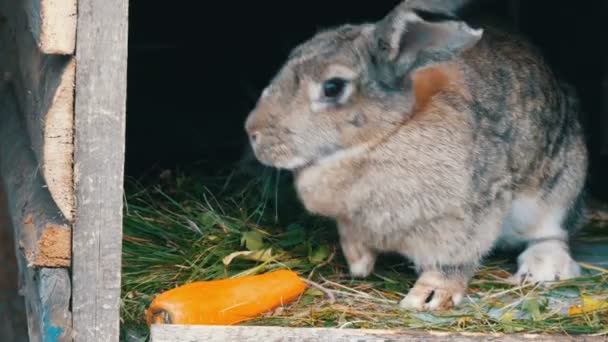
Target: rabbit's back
x,y
520,109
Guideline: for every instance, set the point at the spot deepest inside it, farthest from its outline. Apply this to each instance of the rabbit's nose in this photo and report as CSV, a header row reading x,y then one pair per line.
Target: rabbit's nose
x,y
254,136
252,130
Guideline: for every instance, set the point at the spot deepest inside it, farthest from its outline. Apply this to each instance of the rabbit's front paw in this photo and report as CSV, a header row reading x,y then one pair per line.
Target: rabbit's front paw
x,y
360,258
547,261
434,291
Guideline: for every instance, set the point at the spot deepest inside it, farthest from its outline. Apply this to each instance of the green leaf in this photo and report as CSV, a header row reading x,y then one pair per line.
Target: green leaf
x,y
532,307
207,219
261,256
252,240
329,324
319,255
507,317
314,292
295,235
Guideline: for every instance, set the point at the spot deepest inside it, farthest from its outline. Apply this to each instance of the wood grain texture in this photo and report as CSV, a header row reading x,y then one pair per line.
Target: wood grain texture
x,y
101,76
182,333
45,92
46,287
43,233
52,23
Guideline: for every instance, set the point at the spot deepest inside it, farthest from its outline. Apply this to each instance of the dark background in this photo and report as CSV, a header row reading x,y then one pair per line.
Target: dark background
x,y
195,71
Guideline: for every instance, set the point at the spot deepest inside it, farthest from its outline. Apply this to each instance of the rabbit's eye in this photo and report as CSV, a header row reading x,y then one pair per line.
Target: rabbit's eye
x,y
332,88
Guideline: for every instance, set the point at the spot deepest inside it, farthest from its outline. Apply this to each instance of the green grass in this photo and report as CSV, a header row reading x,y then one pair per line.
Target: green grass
x,y
180,228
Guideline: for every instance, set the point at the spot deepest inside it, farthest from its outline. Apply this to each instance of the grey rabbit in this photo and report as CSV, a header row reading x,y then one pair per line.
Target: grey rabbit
x,y
424,136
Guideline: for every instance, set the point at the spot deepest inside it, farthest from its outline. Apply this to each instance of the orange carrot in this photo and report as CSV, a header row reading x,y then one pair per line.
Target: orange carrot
x,y
226,301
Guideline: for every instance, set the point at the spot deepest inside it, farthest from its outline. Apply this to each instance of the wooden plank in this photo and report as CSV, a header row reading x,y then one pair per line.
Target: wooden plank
x,y
13,323
101,76
52,23
43,280
44,234
179,333
45,90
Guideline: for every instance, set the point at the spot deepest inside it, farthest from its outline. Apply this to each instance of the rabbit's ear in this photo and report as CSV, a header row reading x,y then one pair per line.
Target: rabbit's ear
x,y
408,39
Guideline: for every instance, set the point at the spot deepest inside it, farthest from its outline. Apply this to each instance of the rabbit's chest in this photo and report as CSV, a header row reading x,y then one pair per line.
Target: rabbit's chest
x,y
321,191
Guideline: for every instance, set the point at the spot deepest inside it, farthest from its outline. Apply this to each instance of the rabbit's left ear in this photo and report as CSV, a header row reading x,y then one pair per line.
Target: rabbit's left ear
x,y
408,39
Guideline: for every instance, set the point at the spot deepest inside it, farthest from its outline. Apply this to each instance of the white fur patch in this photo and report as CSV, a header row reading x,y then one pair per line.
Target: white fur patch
x,y
314,94
266,92
550,226
546,262
547,258
292,163
348,92
362,267
528,219
474,32
523,214
337,70
368,30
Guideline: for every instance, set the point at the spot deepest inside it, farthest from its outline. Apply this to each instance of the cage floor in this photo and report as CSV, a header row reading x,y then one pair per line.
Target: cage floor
x,y
185,228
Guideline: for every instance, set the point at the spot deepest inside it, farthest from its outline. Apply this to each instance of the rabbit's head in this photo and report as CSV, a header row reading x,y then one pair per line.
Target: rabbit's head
x,y
350,86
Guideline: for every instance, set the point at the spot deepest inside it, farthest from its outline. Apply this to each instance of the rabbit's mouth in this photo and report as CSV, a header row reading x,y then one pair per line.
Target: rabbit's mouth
x,y
323,153
296,159
278,158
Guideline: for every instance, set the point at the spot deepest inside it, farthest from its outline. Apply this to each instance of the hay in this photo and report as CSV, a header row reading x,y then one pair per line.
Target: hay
x,y
187,228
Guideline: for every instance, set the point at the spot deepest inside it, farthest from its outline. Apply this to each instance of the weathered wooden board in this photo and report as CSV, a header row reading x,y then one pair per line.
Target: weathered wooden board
x,y
52,24
45,92
42,234
183,333
13,323
99,142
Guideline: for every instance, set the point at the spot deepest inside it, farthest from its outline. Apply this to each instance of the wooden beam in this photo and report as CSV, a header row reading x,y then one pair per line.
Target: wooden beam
x,y
37,223
184,333
52,23
45,92
101,77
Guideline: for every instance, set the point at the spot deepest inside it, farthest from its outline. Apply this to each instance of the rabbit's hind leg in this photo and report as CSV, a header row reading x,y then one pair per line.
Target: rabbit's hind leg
x,y
540,227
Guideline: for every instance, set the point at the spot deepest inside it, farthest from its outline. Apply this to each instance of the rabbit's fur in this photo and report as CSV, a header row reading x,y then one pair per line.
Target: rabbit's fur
x,y
443,143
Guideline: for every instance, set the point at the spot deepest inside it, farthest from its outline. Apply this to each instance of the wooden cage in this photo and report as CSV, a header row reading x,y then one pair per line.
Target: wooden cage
x,y
63,66
62,122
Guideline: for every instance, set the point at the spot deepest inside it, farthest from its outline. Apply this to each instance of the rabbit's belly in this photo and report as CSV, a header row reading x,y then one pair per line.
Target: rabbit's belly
x,y
407,234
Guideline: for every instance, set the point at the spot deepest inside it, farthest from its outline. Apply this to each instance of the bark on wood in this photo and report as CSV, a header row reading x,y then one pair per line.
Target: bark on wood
x,y
45,90
101,51
182,333
52,23
36,221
